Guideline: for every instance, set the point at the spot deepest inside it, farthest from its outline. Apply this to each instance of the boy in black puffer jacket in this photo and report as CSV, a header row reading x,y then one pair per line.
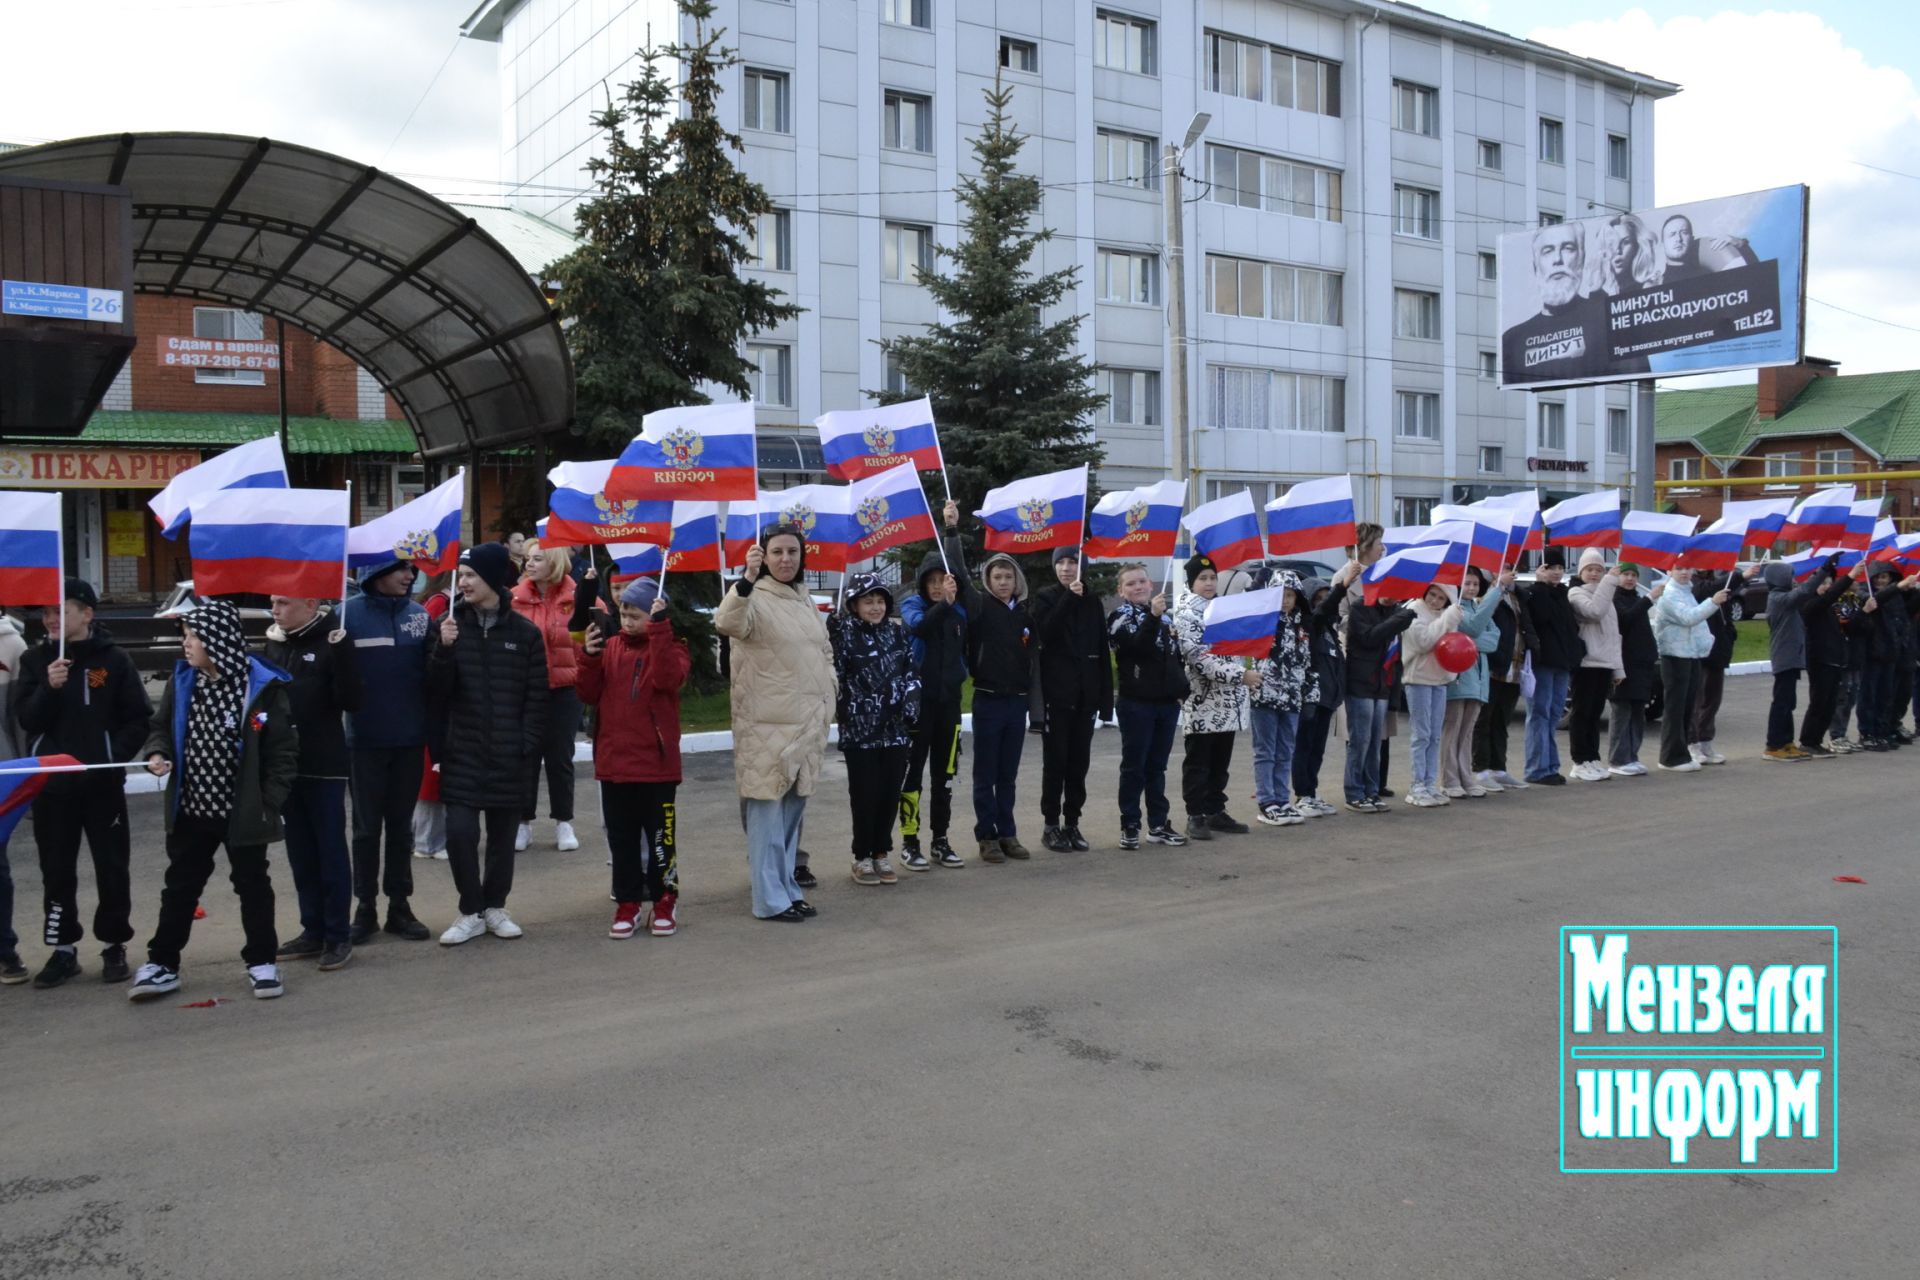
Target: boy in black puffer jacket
x,y
878,706
1076,683
938,624
1330,683
1153,680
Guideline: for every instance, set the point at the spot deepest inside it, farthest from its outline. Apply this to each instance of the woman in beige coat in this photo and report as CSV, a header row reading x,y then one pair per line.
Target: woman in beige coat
x,y
783,692
1600,670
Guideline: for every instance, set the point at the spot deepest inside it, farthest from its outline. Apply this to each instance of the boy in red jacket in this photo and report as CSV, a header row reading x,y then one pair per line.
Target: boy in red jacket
x,y
633,677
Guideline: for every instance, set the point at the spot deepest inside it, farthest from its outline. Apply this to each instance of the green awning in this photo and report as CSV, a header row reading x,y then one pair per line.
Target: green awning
x,y
222,430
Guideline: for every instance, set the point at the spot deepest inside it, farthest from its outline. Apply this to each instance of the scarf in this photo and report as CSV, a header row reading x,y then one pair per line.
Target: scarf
x,y
213,715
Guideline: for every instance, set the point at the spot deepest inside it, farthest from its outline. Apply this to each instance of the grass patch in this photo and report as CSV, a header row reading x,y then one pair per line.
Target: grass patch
x,y
705,712
1750,642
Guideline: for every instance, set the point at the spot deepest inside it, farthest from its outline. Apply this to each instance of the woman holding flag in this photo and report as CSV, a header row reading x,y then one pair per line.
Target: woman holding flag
x,y
544,597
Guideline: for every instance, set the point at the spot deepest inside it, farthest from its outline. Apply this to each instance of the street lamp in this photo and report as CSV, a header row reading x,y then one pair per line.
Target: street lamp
x,y
1177,293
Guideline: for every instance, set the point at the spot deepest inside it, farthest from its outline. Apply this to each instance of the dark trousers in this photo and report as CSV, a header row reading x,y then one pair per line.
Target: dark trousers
x,y
1678,676
9,940
386,786
935,753
1203,773
556,757
1706,702
1822,682
1147,730
1490,730
1786,686
1590,688
477,892
315,818
999,734
96,809
1903,694
1878,711
1066,750
1310,749
639,817
190,849
873,792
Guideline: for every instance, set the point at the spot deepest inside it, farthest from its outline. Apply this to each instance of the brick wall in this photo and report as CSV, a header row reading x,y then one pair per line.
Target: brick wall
x,y
1905,509
159,389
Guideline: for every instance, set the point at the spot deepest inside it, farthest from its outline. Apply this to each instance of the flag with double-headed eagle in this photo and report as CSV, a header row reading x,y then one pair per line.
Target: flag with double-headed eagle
x,y
823,513
705,452
855,443
1037,513
889,510
581,514
425,531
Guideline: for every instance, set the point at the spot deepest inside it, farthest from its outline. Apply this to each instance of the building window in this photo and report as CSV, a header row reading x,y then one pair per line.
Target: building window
x,y
1416,212
1683,468
905,13
908,122
1550,219
1489,266
1416,314
239,326
1490,155
1019,55
1254,181
1416,109
1273,291
1124,43
1410,511
1784,466
1553,142
1263,400
768,106
1489,365
1126,159
1619,433
1416,415
1493,459
1833,462
1250,69
1553,426
905,249
1133,396
1619,163
897,383
770,377
1120,276
770,243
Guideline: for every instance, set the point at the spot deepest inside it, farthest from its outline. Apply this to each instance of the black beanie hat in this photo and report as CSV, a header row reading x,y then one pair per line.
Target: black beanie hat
x,y
1553,558
82,590
494,563
1198,565
1066,553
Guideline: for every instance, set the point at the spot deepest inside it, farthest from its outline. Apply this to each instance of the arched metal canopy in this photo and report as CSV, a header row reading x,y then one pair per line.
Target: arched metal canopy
x,y
408,286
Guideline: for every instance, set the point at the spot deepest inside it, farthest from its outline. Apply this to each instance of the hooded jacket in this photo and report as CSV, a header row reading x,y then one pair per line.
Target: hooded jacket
x,y
879,684
1556,628
1787,607
783,686
1417,660
488,695
1287,679
1480,621
1682,624
389,638
268,747
633,684
939,632
1639,655
1217,697
1891,614
1323,624
1076,664
1000,648
1371,629
99,717
1147,653
325,685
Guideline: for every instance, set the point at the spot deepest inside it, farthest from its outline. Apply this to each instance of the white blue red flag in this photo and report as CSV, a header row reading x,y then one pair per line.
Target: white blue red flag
x,y
30,549
258,464
889,510
581,514
1136,524
1401,536
1585,520
1763,519
1653,540
1715,548
702,452
277,542
425,531
1242,625
1884,536
636,560
694,545
1038,513
1403,575
859,442
824,515
1488,531
742,530
21,780
1821,517
1311,516
1226,530
1861,514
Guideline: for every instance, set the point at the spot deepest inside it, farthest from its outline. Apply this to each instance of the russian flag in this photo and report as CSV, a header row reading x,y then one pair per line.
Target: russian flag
x,y
636,560
824,515
425,531
1653,540
1715,548
1141,523
1585,520
1403,575
889,510
859,442
1807,563
742,531
1040,513
30,549
1226,530
1821,517
1311,516
1860,517
1906,550
694,544
581,513
1401,536
1488,532
705,451
1884,536
1243,624
21,781
258,464
1763,518
280,542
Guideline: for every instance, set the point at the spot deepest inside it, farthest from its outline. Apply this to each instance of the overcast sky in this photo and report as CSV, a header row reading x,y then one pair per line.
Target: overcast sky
x,y
1770,98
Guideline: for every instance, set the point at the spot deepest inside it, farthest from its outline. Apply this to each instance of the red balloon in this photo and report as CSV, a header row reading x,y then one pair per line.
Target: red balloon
x,y
1455,652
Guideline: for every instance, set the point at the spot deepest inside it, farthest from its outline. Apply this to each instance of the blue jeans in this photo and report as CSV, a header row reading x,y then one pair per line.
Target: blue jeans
x,y
1366,720
1273,741
9,940
1147,730
1543,719
1427,704
316,826
999,734
773,839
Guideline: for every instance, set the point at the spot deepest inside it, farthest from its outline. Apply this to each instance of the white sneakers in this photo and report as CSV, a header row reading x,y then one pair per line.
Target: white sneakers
x,y
1456,793
1691,766
465,929
1488,782
1633,770
1706,753
1591,771
563,837
1477,791
501,925
1506,780
523,837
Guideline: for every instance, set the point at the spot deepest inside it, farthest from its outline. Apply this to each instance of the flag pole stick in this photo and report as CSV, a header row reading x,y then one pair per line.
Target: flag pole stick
x,y
71,768
346,563
60,549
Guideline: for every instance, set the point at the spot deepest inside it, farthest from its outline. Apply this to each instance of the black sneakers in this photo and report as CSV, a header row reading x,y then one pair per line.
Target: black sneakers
x,y
113,964
304,947
1129,837
1197,829
366,923
804,877
64,963
944,854
1165,834
401,923
336,957
1224,821
12,972
1055,839
153,981
1076,841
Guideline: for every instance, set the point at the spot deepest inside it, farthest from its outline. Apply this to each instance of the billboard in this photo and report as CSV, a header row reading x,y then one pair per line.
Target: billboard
x,y
1687,288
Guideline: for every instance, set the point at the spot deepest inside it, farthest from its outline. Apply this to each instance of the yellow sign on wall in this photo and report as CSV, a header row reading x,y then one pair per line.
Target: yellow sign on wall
x,y
126,533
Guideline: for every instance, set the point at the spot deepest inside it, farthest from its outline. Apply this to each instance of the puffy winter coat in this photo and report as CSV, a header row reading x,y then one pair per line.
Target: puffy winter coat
x,y
1217,697
1329,661
1680,624
1371,629
634,684
1599,624
100,716
1480,620
939,634
1417,660
326,686
1787,606
268,744
1287,680
1076,665
551,610
783,686
1639,658
1556,628
1147,653
487,703
879,699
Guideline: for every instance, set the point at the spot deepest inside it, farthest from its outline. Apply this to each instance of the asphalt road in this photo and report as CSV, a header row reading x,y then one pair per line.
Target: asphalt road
x,y
1321,1051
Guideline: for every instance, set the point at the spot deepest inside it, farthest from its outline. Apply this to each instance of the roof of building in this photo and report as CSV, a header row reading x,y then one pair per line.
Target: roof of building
x,y
1879,412
533,241
198,430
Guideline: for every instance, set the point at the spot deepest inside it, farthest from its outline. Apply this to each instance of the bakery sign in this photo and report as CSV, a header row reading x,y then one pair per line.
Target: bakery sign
x,y
217,353
56,467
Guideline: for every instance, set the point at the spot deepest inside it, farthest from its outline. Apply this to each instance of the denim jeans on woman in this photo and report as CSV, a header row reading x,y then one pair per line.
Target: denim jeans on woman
x,y
1427,704
1543,721
1273,742
1366,719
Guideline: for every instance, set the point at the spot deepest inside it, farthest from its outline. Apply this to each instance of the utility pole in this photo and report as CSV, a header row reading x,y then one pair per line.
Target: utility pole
x,y
1170,186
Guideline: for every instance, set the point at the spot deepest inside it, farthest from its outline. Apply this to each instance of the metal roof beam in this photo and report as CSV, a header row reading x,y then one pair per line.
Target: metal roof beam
x,y
314,233
227,197
484,345
401,276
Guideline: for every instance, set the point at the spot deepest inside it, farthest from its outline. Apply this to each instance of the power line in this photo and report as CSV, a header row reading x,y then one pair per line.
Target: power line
x,y
1861,315
423,97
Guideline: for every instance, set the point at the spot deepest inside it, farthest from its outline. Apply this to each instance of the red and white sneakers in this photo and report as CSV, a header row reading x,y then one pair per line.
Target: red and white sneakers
x,y
664,923
625,920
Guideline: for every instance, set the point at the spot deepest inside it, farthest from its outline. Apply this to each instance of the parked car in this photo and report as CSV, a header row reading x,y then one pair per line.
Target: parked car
x,y
1752,600
181,601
